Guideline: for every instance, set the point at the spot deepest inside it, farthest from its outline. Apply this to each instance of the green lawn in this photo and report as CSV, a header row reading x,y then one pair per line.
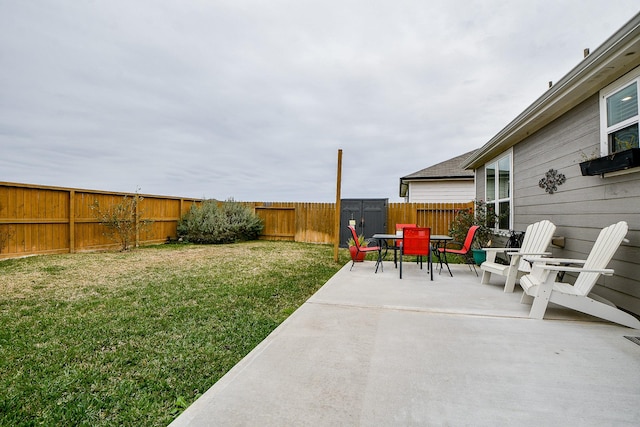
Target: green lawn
x,y
133,338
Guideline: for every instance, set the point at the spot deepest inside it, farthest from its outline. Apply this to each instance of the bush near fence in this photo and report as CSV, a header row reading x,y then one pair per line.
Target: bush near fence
x,y
48,220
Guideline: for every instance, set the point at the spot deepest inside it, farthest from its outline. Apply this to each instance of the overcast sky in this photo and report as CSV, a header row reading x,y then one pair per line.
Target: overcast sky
x,y
251,99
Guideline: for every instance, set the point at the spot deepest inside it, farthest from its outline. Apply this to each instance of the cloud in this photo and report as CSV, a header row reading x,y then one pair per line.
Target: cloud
x,y
252,100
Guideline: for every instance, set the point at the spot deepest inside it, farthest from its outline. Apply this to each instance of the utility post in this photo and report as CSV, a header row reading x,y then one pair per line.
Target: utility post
x,y
336,230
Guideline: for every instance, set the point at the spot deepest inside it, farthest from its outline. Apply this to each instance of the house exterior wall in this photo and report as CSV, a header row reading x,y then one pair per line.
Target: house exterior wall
x,y
583,205
480,184
441,191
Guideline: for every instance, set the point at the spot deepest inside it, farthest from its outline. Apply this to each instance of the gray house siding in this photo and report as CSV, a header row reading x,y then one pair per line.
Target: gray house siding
x,y
480,184
583,205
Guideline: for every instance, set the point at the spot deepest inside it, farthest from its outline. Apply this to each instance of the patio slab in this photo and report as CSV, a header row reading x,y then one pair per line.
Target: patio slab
x,y
372,350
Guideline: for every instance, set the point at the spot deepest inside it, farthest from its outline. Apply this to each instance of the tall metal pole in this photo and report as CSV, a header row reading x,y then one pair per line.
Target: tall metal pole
x,y
336,230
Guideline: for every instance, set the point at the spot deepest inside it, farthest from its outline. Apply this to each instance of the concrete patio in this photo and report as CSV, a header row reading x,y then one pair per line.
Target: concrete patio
x,y
372,350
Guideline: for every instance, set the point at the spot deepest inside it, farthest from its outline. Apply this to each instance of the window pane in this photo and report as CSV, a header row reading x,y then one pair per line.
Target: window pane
x,y
622,105
491,213
503,219
503,170
624,138
491,182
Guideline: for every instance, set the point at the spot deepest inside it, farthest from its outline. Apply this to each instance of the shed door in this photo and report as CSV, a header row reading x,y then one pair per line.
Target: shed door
x,y
369,215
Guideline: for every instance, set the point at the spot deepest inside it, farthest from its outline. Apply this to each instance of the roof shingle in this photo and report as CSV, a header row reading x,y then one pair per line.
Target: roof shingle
x,y
451,168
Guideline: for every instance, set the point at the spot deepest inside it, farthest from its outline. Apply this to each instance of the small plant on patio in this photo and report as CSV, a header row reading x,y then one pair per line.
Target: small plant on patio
x,y
123,221
355,255
219,222
361,241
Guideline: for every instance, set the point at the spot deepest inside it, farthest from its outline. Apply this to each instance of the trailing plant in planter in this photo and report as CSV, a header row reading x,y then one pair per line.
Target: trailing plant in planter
x,y
620,160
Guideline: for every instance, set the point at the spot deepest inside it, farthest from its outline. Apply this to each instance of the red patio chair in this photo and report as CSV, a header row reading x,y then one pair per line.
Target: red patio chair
x,y
397,244
465,250
361,249
417,241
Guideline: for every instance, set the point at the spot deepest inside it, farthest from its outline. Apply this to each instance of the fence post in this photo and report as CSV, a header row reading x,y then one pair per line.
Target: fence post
x,y
336,219
136,214
72,221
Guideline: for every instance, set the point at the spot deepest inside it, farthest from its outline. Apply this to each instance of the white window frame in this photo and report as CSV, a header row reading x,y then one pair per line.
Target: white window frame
x,y
496,203
612,89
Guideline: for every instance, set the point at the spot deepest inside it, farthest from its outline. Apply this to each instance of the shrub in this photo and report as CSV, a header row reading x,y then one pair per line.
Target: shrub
x,y
483,216
214,222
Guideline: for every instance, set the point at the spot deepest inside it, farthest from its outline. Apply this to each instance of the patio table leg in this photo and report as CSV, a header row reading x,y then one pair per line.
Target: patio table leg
x,y
442,257
379,261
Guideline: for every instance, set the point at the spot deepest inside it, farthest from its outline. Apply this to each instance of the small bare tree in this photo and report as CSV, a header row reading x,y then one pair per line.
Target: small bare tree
x,y
123,220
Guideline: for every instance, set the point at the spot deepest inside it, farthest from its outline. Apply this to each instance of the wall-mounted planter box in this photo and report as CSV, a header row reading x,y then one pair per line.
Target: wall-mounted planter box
x,y
611,163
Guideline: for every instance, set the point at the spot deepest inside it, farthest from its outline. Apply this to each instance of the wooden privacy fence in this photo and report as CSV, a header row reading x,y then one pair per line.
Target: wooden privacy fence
x,y
298,222
438,216
47,220
314,222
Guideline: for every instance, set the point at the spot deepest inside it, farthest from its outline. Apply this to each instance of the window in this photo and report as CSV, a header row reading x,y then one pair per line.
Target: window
x,y
619,115
498,189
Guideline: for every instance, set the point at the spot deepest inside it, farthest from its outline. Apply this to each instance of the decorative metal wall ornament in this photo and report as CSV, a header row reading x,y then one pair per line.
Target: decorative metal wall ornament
x,y
551,181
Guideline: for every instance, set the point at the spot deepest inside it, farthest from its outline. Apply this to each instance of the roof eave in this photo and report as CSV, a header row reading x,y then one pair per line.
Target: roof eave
x,y
614,58
438,178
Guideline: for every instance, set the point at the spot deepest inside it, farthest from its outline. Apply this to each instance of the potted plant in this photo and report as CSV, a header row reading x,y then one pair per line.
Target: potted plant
x,y
353,250
483,216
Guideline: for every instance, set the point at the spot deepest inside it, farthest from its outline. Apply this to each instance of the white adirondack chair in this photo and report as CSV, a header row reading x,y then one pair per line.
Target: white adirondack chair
x,y
541,286
537,238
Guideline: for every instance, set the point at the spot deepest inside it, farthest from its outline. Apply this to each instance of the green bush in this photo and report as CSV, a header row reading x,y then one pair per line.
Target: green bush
x,y
483,215
214,222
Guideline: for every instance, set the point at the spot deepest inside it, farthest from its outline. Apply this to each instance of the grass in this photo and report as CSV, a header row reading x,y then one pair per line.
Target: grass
x,y
134,338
